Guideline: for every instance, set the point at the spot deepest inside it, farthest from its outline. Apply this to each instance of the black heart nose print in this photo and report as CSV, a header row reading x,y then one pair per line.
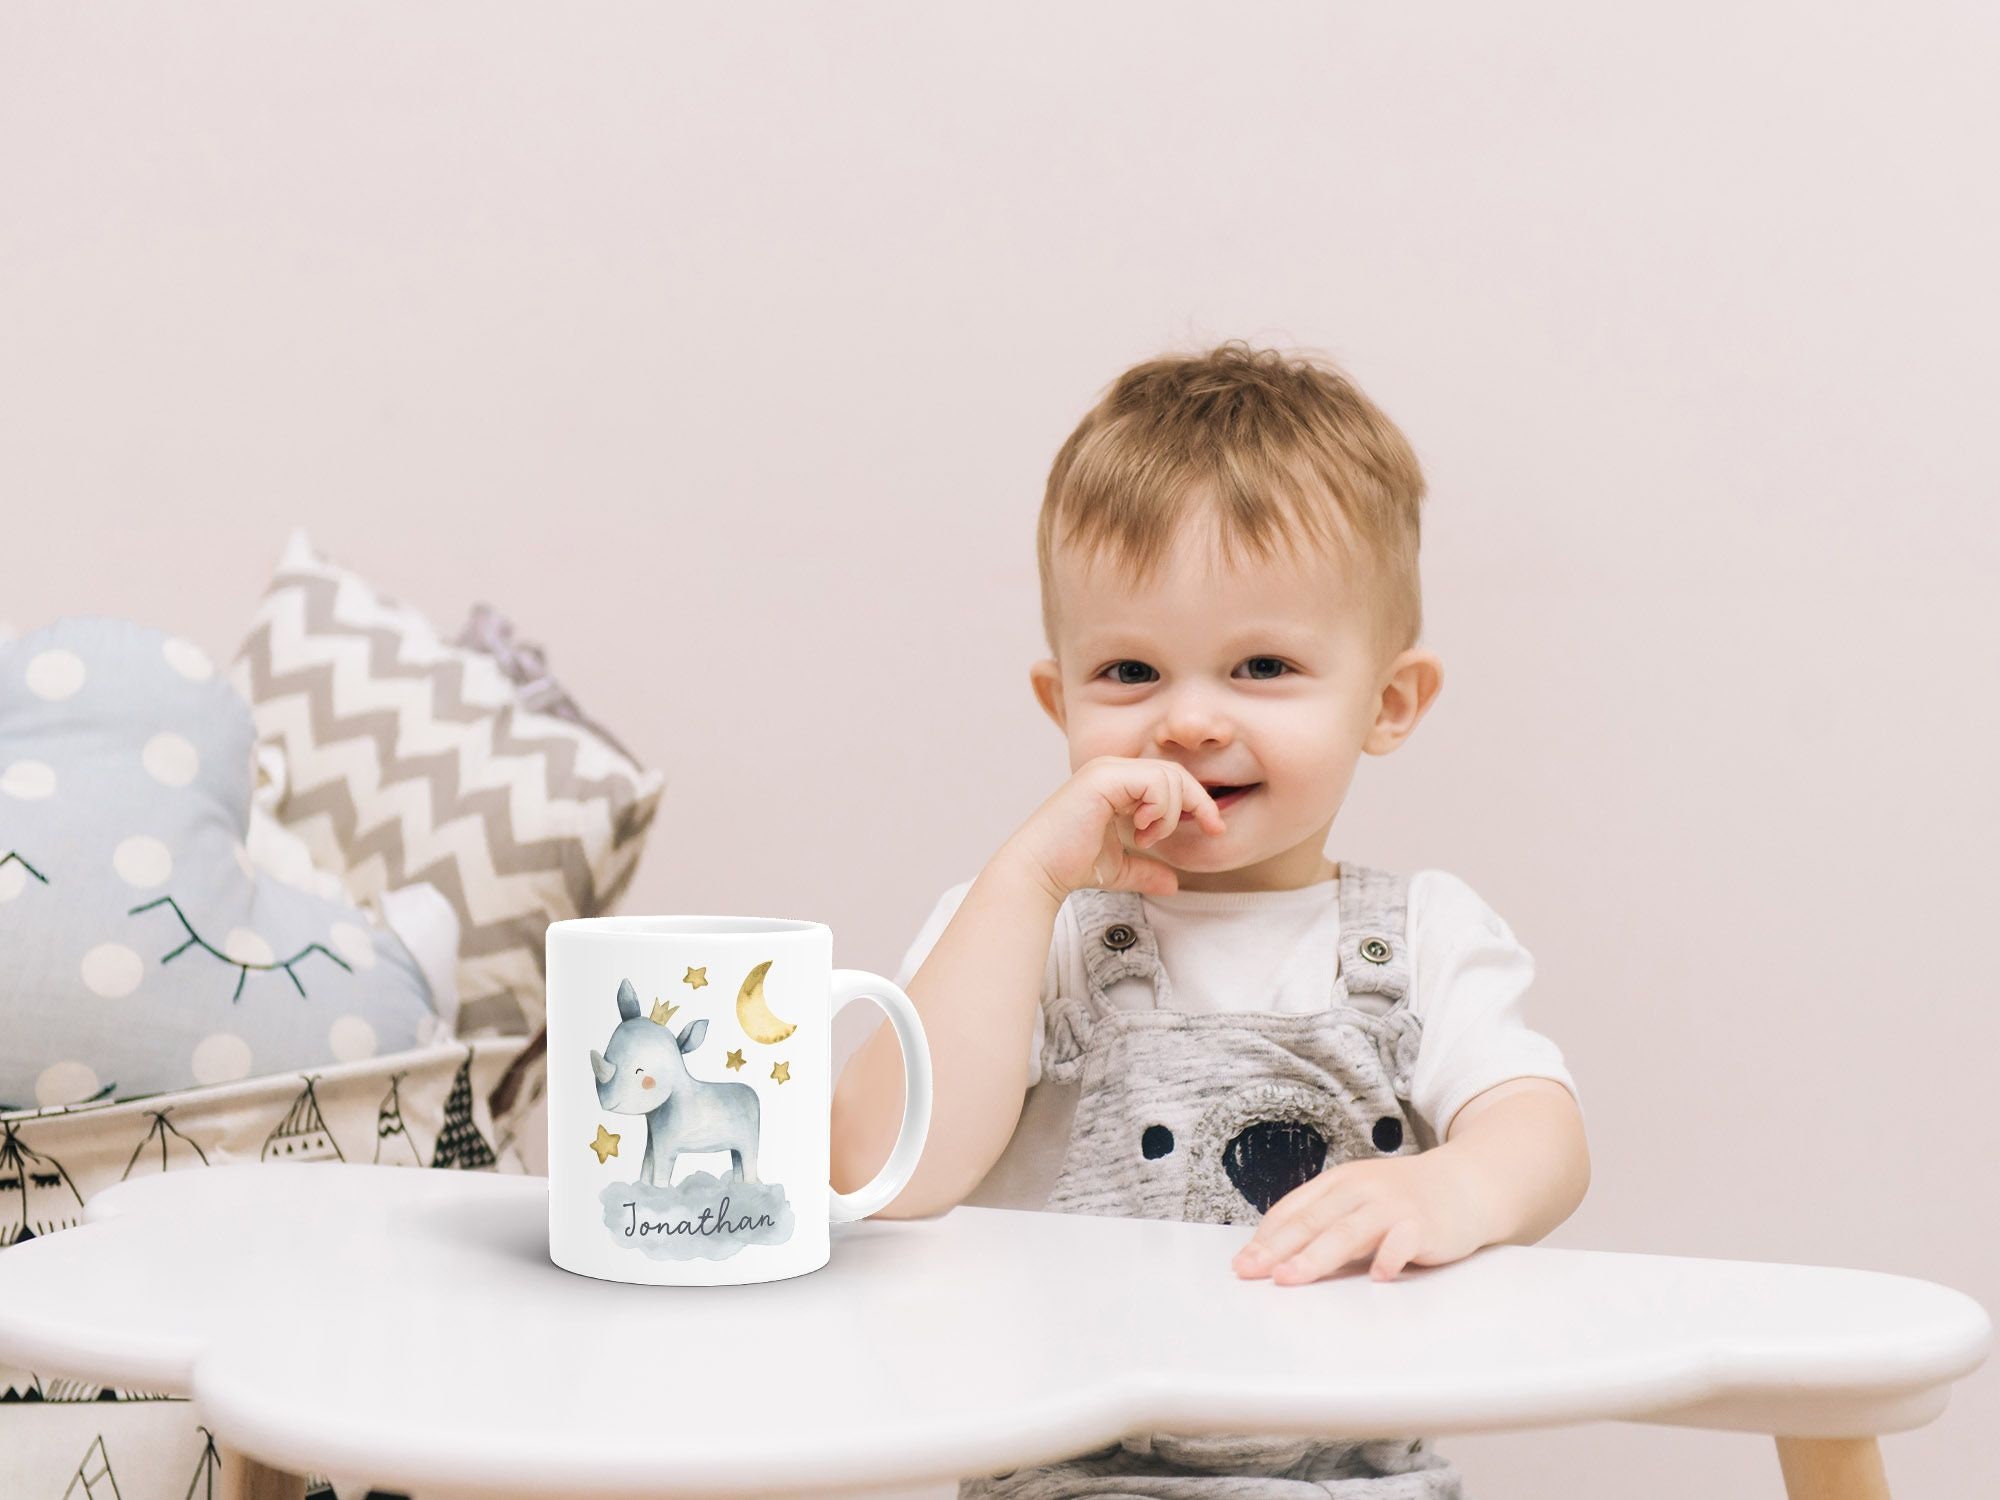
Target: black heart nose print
x,y
1267,1160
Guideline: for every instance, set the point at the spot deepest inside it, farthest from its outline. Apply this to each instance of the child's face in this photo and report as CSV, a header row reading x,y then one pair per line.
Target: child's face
x,y
1265,676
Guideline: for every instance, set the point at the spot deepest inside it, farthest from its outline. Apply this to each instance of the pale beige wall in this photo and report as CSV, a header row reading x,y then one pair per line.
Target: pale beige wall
x,y
728,350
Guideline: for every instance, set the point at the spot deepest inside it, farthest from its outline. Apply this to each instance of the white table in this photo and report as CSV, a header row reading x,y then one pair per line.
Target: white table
x,y
407,1326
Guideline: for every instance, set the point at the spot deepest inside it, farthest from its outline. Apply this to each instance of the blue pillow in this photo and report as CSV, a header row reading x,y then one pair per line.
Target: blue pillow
x,y
140,951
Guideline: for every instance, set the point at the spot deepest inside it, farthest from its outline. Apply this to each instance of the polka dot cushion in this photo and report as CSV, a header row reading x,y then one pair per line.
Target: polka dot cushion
x,y
140,950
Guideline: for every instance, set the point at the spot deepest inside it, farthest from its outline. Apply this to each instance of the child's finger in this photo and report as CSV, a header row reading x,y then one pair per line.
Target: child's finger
x,y
1348,1240
1206,814
1397,1246
1150,877
1170,819
1269,1251
1281,1243
1165,809
1313,1196
1311,1214
1148,809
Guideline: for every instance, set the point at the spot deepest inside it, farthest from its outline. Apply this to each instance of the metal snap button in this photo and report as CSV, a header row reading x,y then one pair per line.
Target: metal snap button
x,y
1375,950
1119,936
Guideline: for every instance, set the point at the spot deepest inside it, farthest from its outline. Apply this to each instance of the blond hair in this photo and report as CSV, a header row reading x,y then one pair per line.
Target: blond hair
x,y
1276,449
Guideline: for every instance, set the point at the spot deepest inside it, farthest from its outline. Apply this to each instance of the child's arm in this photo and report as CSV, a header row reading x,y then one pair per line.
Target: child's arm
x,y
1521,1149
976,992
978,989
1513,1166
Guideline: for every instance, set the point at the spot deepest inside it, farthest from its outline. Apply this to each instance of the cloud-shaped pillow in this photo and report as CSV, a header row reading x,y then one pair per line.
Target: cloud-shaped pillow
x,y
141,951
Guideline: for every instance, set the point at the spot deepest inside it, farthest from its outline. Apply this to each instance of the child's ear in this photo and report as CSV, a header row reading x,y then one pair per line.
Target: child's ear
x,y
1046,678
1408,691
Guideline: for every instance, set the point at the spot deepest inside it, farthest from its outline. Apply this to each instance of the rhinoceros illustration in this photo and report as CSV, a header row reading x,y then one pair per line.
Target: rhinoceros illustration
x,y
643,1071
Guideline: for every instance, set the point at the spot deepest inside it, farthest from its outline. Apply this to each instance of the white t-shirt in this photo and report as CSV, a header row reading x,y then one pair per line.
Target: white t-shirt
x,y
1277,950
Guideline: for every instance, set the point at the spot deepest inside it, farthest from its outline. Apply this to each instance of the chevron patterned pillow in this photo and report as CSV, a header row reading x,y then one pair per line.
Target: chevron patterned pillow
x,y
407,758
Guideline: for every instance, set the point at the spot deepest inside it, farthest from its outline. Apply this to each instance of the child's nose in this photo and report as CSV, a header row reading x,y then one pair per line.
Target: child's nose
x,y
1191,725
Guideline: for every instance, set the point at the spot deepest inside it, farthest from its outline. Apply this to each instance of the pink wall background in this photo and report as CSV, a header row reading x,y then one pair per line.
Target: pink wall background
x,y
728,353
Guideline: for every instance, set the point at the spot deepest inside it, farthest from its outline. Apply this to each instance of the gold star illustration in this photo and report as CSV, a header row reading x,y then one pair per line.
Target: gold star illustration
x,y
606,1145
696,977
663,1012
782,1072
734,1060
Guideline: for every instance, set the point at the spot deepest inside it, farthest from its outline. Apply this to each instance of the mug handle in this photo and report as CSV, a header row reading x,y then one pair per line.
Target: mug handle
x,y
857,984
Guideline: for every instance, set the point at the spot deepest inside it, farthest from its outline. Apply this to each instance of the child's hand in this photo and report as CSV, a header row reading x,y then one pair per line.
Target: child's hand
x,y
1401,1209
1077,839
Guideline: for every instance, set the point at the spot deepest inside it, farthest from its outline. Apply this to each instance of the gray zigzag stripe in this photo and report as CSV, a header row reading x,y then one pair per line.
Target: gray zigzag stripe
x,y
632,813
446,680
315,685
561,854
495,935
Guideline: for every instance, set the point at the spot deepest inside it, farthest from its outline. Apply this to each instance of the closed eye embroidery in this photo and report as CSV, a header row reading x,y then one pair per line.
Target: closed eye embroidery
x,y
13,857
195,940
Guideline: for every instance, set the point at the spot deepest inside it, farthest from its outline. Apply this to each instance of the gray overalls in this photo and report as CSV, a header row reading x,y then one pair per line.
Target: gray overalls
x,y
1212,1118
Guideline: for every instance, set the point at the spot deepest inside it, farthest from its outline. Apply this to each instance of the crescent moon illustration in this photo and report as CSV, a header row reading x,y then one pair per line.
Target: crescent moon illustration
x,y
753,1015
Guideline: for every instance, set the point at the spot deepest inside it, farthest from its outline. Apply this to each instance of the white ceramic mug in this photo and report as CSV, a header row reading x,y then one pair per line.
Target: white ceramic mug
x,y
690,1097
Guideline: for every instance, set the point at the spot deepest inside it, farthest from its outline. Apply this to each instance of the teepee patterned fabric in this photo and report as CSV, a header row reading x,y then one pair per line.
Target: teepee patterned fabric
x,y
459,1143
427,1106
408,759
302,1135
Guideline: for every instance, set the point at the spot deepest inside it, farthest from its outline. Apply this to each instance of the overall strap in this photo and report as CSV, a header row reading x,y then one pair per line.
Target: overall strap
x,y
1375,960
1374,932
1118,943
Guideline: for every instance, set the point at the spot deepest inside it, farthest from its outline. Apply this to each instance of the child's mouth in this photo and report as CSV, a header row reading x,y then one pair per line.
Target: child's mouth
x,y
1228,796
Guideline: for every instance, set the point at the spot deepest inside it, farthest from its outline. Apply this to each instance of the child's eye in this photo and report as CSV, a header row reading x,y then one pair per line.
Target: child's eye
x,y
1266,667
1131,673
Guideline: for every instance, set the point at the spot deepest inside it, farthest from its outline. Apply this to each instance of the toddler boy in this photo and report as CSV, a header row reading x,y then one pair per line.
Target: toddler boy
x,y
1159,998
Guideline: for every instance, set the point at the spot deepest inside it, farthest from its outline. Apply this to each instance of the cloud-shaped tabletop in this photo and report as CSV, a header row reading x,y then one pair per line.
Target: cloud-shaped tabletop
x,y
410,1328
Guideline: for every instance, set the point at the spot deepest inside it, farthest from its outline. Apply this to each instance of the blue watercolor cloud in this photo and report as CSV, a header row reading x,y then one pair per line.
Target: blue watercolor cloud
x,y
701,1217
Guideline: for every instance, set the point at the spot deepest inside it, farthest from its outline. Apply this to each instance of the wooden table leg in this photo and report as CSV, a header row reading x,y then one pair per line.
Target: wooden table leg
x,y
243,1478
1832,1469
